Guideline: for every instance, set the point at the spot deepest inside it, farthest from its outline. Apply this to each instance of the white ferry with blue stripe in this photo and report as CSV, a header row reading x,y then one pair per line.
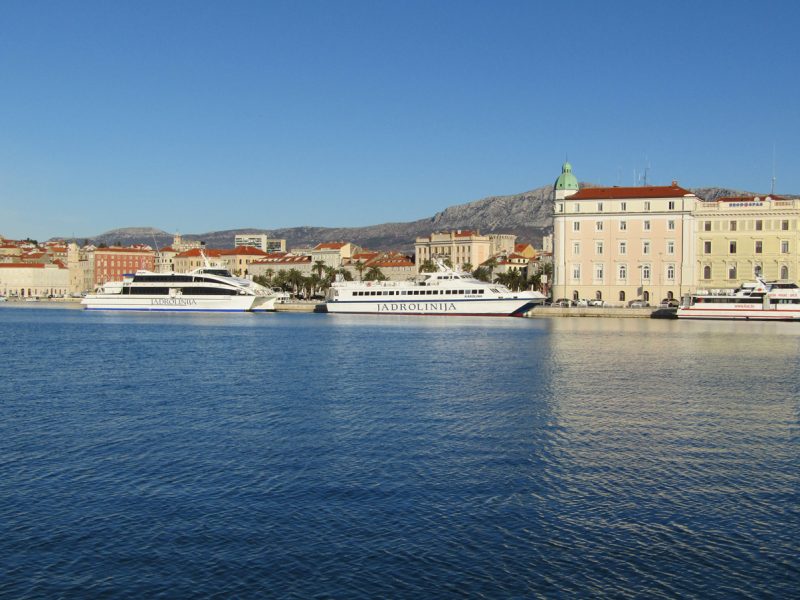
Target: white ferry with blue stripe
x,y
207,289
445,292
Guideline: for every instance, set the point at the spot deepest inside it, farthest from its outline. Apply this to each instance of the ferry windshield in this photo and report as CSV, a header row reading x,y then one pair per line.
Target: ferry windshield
x,y
220,272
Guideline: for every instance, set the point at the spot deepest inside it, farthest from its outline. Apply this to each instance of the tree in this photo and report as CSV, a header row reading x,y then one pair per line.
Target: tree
x,y
318,268
428,266
482,274
490,264
295,279
467,267
360,267
375,274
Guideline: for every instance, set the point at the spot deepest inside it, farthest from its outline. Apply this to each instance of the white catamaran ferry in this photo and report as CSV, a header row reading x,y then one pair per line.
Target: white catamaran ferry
x,y
445,292
752,301
208,289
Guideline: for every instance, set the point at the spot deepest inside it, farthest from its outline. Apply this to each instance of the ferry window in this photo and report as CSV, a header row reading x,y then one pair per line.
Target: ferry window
x,y
732,247
707,247
759,225
759,246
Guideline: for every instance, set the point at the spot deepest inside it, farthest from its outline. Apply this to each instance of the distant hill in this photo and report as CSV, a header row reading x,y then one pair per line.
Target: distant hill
x,y
527,215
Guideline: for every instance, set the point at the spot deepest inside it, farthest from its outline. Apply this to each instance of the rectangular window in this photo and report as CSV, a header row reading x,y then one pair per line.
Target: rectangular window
x,y
759,246
670,272
647,205
598,226
623,206
576,226
670,247
706,225
576,248
706,247
759,225
623,271
784,246
598,272
646,272
671,205
671,225
785,225
623,225
598,247
623,247
576,271
732,271
733,225
577,207
732,247
645,247
599,207
560,207
647,225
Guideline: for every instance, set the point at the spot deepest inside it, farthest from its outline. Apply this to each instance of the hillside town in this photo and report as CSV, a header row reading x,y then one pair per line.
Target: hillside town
x,y
615,245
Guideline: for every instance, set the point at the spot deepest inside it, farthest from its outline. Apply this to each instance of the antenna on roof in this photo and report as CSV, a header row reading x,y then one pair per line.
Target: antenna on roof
x,y
772,189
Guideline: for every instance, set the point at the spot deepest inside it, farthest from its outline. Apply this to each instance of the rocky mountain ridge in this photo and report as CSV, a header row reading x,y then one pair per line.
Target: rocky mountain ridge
x,y
528,215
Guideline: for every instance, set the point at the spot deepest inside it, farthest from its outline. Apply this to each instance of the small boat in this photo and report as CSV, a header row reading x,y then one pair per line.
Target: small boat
x,y
444,292
759,300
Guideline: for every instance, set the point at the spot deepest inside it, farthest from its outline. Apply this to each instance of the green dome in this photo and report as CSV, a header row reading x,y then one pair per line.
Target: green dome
x,y
566,181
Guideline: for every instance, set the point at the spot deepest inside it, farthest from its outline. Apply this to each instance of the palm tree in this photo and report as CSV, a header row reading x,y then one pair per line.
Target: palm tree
x,y
360,266
491,265
319,267
427,266
375,274
295,279
467,267
482,273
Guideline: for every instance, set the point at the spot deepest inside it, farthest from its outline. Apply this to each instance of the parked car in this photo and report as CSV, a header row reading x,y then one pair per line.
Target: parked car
x,y
669,303
564,302
638,303
597,302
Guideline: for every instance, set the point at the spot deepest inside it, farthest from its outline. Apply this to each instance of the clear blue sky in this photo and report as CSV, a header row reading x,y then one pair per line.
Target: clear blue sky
x,y
198,116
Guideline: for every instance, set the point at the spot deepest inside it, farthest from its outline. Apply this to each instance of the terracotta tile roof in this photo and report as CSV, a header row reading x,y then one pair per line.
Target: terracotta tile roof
x,y
521,247
167,249
243,251
195,253
615,193
283,260
117,250
465,233
330,246
392,262
29,265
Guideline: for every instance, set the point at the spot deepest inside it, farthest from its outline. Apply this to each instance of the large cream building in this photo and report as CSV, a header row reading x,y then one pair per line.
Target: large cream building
x,y
622,243
739,238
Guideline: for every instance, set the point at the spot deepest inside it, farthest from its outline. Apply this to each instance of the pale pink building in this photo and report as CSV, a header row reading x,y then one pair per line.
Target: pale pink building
x,y
618,244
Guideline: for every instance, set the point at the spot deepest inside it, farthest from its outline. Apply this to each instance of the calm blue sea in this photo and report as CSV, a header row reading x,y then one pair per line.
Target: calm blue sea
x,y
333,456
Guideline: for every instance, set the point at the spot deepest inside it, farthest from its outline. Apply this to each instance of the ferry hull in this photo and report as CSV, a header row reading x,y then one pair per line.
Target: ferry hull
x,y
458,308
178,304
739,314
